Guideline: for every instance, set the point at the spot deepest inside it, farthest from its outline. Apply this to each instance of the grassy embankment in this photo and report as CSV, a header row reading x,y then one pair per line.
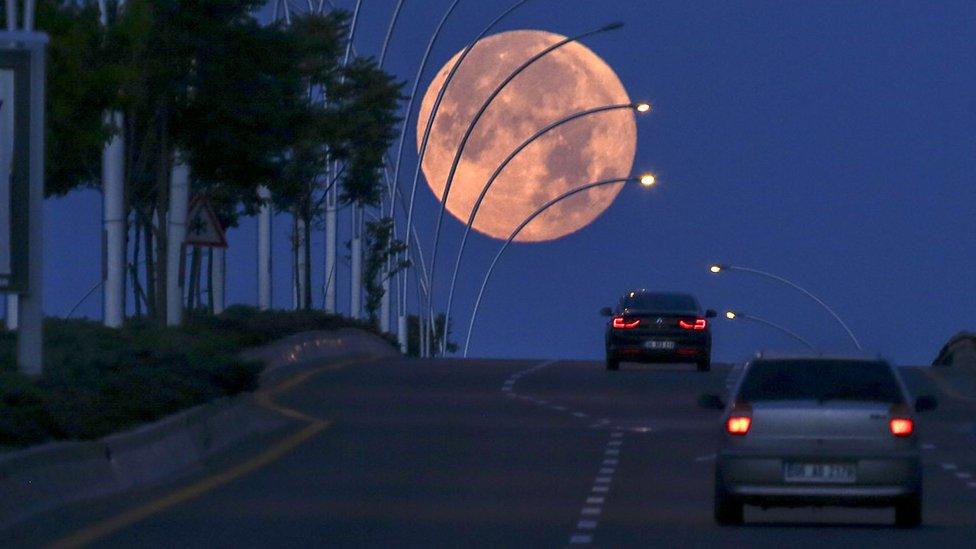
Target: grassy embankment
x,y
98,381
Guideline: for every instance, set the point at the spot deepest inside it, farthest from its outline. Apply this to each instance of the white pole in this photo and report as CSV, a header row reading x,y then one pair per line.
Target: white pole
x,y
218,274
12,307
178,196
113,215
6,155
264,249
356,274
402,333
30,317
331,226
113,219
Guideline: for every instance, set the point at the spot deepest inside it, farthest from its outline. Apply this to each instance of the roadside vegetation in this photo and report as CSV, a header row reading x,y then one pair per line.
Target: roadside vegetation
x,y
99,380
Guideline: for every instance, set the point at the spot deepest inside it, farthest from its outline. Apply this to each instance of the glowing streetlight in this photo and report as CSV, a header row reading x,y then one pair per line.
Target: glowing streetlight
x,y
526,221
717,268
643,107
733,315
647,180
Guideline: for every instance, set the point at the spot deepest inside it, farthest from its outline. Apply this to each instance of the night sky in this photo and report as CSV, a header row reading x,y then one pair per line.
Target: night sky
x,y
831,143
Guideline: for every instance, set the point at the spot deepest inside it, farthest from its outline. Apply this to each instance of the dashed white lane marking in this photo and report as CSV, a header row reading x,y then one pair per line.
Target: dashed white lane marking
x,y
593,507
580,414
971,484
948,466
928,446
706,457
963,475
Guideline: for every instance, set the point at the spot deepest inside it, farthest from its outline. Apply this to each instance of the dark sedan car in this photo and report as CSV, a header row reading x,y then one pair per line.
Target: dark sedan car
x,y
658,327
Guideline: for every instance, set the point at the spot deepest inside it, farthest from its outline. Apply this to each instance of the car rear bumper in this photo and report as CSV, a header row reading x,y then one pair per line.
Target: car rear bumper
x,y
687,348
759,480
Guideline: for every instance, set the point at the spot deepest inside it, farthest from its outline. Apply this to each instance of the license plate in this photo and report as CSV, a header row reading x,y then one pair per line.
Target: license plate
x,y
659,345
820,472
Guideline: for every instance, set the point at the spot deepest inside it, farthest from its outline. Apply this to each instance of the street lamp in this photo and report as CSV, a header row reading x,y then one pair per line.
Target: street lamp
x,y
526,221
719,267
471,126
424,141
738,315
646,180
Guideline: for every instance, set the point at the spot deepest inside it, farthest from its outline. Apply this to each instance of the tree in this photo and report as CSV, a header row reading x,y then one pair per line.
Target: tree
x,y
413,336
380,249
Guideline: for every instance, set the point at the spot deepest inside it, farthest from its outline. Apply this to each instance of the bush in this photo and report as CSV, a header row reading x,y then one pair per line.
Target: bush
x,y
98,380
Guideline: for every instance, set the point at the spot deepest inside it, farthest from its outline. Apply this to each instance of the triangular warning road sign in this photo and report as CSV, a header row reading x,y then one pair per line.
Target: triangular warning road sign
x,y
202,226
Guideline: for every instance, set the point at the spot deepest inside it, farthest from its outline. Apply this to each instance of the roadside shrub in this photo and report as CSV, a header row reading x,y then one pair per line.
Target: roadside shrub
x,y
98,380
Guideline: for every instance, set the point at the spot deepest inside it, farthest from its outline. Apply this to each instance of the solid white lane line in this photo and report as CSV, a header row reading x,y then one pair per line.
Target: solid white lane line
x,y
580,539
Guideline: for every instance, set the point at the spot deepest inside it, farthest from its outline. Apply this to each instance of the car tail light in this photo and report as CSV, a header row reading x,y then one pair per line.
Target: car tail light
x,y
901,426
698,324
624,323
738,425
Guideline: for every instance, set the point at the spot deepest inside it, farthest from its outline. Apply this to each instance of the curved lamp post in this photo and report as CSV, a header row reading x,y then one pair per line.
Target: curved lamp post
x,y
423,144
642,108
737,315
646,180
719,267
474,122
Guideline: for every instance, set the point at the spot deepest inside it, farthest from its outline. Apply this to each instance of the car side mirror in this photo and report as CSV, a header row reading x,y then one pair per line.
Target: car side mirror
x,y
711,313
711,402
926,404
606,311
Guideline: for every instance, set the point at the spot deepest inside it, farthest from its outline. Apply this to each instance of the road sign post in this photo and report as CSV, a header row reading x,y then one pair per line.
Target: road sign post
x,y
22,186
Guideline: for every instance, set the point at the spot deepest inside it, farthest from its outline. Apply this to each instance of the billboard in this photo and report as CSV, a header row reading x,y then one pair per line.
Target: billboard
x,y
14,159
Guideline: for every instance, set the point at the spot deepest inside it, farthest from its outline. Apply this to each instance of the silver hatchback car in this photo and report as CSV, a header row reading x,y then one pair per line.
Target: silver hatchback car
x,y
818,431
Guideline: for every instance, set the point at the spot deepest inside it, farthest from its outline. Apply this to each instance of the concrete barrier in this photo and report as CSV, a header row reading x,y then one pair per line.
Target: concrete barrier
x,y
45,477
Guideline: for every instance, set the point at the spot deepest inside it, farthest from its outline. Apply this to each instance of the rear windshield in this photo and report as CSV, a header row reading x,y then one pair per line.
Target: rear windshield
x,y
820,380
676,303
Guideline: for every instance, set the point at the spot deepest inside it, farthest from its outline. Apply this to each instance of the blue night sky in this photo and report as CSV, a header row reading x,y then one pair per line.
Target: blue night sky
x,y
831,143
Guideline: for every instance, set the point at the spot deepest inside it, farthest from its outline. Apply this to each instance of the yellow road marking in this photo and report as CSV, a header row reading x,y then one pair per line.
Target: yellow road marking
x,y
263,398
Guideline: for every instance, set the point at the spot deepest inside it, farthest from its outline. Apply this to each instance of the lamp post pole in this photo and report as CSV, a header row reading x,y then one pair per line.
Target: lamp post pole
x,y
735,315
646,180
470,130
718,268
422,152
638,107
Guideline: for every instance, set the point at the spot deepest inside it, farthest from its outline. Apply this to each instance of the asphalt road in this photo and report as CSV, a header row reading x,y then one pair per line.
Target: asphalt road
x,y
504,453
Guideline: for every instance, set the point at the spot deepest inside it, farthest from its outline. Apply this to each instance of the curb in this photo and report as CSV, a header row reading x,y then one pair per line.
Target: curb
x,y
49,476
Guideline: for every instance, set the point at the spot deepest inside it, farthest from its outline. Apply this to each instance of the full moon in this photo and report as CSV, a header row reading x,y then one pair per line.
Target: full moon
x,y
565,81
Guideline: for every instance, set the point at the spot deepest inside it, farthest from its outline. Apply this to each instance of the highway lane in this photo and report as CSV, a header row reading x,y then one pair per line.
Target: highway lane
x,y
512,453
